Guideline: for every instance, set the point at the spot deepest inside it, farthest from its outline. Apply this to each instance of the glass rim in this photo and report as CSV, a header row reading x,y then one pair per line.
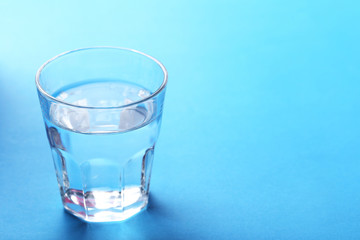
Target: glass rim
x,y
46,94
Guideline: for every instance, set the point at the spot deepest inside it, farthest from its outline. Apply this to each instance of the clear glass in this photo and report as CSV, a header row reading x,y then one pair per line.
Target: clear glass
x,y
102,110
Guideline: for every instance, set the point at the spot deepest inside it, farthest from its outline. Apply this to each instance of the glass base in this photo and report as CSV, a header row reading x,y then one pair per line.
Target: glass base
x,y
105,206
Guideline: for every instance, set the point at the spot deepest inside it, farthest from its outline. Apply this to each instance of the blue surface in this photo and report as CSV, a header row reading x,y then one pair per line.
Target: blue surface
x,y
260,134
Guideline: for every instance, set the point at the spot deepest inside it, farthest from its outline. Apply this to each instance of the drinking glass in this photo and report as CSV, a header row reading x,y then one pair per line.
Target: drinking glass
x,y
102,109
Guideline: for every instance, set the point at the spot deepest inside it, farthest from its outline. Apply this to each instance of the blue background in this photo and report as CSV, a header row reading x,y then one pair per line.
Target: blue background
x,y
260,134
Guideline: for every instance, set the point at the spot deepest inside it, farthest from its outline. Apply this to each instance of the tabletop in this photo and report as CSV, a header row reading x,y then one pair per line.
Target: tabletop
x,y
260,132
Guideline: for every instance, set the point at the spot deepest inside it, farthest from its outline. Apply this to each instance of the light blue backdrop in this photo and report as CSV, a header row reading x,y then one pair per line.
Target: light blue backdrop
x,y
260,134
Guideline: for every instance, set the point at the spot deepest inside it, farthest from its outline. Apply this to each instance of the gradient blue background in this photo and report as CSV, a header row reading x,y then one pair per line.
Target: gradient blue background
x,y
260,134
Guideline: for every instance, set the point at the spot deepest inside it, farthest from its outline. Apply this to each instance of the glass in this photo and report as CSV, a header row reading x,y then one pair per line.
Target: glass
x,y
102,110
